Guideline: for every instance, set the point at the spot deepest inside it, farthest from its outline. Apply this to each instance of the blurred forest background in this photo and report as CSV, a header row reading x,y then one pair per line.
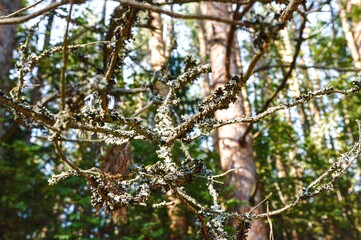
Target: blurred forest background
x,y
319,47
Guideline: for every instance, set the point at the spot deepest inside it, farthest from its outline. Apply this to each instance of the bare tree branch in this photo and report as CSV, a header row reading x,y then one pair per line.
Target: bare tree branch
x,y
17,20
147,6
21,10
65,58
285,77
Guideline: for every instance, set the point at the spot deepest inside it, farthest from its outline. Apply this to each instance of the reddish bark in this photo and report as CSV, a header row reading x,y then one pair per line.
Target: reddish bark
x,y
7,46
7,42
233,154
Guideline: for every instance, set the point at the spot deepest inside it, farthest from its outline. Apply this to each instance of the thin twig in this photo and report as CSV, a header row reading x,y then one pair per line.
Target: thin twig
x,y
62,156
147,6
78,140
231,33
186,151
21,10
48,119
33,60
259,204
65,59
168,2
336,68
17,20
270,223
199,216
216,181
334,169
143,109
81,172
223,174
285,78
123,91
272,110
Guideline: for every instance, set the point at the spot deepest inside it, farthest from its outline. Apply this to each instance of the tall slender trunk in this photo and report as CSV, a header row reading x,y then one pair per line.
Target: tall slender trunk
x,y
233,153
7,43
356,26
7,46
287,54
117,160
206,83
352,33
290,168
156,42
202,39
294,86
318,105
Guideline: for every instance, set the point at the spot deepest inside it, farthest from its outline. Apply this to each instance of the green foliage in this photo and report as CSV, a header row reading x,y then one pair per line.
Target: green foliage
x,y
356,13
24,208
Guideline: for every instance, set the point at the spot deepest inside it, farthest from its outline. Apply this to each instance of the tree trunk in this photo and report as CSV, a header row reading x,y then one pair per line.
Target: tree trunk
x,y
117,160
356,26
294,86
233,154
352,34
156,42
7,45
287,54
206,83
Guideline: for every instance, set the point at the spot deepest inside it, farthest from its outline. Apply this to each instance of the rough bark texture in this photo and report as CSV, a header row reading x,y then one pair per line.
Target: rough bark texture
x,y
157,49
156,43
7,45
233,154
206,83
7,42
117,160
